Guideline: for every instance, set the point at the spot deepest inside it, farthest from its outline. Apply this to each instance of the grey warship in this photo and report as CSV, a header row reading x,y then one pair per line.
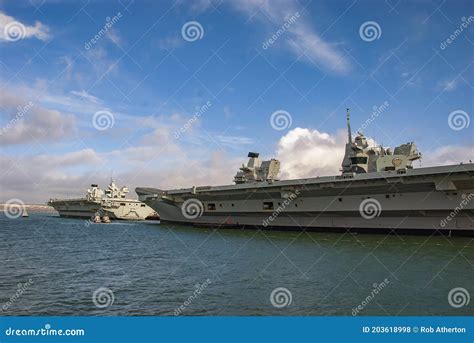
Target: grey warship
x,y
378,190
111,203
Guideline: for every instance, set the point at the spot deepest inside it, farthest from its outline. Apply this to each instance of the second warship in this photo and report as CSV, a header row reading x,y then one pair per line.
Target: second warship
x,y
378,189
101,205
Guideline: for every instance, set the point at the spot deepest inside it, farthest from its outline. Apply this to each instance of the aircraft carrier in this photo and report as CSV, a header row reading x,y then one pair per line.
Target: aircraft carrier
x,y
111,203
378,190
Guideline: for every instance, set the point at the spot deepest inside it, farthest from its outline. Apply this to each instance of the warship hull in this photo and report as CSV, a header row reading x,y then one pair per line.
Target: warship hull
x,y
122,210
435,199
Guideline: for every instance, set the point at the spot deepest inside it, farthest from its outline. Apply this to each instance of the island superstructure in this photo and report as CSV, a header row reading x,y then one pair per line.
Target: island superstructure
x,y
111,203
378,189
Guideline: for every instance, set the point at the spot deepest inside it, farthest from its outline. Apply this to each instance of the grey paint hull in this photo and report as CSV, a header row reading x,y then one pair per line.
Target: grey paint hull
x,y
425,199
131,210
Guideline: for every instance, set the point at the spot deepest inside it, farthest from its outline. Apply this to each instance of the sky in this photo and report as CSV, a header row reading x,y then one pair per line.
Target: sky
x,y
171,94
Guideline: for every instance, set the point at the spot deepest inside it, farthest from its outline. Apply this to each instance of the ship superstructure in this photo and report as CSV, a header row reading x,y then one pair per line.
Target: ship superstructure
x,y
111,203
377,189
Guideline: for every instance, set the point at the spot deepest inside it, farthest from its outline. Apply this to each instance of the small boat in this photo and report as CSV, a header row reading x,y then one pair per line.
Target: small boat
x,y
96,219
24,213
105,219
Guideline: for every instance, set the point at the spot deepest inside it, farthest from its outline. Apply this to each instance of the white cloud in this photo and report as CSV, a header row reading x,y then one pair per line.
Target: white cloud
x,y
450,154
447,85
114,36
81,157
25,120
11,27
234,140
309,153
171,42
300,38
83,94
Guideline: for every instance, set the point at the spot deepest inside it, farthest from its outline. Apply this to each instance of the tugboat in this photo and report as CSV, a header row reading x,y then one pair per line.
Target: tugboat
x,y
378,190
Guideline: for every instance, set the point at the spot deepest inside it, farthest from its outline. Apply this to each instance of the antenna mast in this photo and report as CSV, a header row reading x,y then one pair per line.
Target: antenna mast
x,y
349,134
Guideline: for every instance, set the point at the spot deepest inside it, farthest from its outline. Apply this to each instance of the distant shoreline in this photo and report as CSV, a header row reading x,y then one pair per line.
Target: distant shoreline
x,y
33,208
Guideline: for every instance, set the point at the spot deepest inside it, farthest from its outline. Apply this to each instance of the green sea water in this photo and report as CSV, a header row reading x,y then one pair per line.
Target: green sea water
x,y
57,266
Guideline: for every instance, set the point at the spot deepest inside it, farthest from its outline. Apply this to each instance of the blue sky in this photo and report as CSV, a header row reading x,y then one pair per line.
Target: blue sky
x,y
151,80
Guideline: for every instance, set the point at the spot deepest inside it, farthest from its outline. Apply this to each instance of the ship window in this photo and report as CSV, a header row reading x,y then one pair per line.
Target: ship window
x,y
268,205
142,205
122,204
340,199
123,196
359,160
211,207
220,205
232,205
387,196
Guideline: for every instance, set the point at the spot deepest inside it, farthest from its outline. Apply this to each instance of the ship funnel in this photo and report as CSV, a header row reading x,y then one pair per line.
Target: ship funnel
x,y
349,134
